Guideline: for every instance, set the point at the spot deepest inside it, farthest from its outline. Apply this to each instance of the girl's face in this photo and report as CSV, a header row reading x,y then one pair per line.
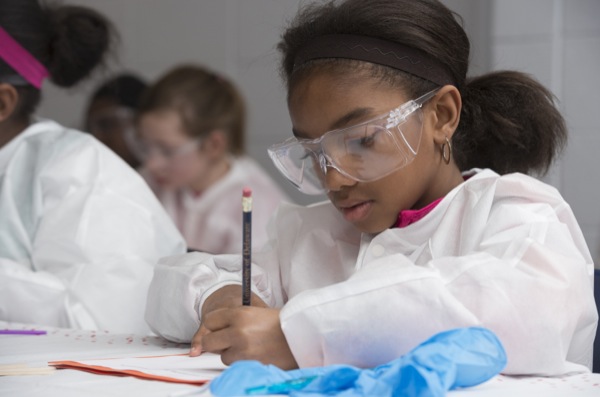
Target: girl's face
x,y
172,157
110,123
323,102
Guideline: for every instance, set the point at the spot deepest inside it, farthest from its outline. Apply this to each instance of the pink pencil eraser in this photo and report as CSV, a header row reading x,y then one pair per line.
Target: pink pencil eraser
x,y
247,192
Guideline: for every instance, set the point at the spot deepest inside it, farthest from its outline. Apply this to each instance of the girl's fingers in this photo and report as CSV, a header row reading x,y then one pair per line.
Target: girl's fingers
x,y
213,321
218,341
196,348
217,319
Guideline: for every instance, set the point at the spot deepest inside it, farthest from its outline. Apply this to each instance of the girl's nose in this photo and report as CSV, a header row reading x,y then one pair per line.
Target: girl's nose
x,y
335,180
154,162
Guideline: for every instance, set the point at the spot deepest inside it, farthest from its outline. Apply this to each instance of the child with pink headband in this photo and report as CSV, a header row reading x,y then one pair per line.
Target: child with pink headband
x,y
432,222
80,231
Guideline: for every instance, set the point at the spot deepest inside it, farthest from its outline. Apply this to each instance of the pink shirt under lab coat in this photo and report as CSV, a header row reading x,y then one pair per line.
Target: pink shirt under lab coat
x,y
212,221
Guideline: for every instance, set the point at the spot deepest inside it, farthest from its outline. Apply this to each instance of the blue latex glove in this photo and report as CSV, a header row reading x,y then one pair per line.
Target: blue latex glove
x,y
457,358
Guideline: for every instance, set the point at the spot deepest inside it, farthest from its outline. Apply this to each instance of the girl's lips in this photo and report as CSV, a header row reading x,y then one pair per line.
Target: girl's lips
x,y
357,212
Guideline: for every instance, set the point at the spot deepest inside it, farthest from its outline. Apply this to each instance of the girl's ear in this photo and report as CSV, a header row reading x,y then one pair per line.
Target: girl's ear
x,y
446,106
9,98
216,144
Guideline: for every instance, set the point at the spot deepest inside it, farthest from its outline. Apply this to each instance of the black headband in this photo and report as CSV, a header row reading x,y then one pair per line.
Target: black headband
x,y
374,50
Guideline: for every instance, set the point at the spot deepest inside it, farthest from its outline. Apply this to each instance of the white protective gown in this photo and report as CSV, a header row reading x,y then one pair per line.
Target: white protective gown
x,y
504,252
80,233
212,221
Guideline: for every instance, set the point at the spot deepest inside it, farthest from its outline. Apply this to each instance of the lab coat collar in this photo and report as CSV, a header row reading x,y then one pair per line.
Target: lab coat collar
x,y
415,234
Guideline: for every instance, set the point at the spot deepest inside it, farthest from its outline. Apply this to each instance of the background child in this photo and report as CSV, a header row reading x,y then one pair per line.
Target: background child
x,y
191,124
110,114
431,225
80,231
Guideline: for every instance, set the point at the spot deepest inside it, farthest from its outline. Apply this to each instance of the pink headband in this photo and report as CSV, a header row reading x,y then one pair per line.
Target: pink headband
x,y
21,60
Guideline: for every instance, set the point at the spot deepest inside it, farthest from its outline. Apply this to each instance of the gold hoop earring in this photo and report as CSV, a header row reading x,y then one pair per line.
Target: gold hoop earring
x,y
447,155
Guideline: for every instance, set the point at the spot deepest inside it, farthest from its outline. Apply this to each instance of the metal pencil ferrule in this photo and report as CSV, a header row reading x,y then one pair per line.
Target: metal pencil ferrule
x,y
246,204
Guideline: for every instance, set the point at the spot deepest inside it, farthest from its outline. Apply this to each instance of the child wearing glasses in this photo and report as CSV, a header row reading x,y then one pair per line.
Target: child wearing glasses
x,y
110,114
80,231
431,224
191,127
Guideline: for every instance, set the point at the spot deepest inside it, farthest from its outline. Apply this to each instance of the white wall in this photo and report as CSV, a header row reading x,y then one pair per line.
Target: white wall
x,y
558,41
235,37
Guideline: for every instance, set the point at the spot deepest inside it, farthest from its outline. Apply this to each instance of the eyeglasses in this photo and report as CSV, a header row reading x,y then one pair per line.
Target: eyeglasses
x,y
110,121
365,152
146,150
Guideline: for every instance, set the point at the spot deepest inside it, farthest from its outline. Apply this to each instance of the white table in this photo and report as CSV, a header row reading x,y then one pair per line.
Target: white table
x,y
63,344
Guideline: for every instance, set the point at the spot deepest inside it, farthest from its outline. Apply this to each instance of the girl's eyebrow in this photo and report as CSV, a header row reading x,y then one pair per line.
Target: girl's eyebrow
x,y
356,114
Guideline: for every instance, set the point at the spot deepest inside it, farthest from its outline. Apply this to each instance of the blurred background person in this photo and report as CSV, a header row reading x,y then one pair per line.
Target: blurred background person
x,y
80,231
111,111
191,125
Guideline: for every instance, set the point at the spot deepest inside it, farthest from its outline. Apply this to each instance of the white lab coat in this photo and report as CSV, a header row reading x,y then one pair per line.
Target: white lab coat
x,y
80,233
212,221
504,252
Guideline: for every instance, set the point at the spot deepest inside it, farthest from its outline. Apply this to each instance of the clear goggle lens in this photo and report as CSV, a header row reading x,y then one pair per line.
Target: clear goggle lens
x,y
364,152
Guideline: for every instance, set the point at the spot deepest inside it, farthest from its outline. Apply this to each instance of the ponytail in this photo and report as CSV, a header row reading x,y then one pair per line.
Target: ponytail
x,y
70,41
508,123
81,39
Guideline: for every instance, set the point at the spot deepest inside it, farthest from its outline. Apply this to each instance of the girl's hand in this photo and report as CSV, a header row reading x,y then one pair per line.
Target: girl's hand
x,y
245,333
227,297
196,349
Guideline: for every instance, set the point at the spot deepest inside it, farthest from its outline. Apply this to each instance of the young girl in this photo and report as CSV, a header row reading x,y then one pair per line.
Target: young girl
x,y
80,231
191,127
110,115
431,225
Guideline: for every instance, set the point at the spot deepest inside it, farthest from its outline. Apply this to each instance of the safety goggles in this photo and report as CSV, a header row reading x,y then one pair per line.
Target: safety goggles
x,y
365,152
144,150
110,121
